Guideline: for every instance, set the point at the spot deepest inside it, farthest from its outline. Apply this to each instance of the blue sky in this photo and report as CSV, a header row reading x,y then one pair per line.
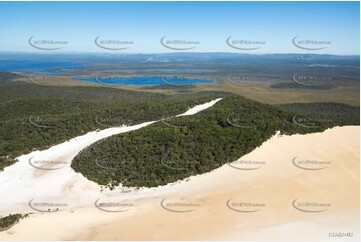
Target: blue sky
x,y
209,23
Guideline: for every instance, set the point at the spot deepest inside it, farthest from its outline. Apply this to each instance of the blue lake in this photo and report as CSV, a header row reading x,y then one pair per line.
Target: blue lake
x,y
173,70
144,80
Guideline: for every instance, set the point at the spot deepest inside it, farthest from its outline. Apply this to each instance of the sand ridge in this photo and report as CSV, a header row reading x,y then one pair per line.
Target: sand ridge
x,y
275,185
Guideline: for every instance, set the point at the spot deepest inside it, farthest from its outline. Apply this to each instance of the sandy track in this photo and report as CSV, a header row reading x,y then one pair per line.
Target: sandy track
x,y
56,180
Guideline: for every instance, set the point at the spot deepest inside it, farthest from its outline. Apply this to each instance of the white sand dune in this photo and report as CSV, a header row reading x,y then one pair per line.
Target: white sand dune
x,y
21,182
199,108
276,183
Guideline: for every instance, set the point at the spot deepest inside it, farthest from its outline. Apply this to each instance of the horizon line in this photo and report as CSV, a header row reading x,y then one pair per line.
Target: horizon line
x,y
162,53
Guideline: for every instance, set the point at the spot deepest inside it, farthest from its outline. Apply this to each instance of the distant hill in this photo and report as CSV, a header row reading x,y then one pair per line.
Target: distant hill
x,y
8,76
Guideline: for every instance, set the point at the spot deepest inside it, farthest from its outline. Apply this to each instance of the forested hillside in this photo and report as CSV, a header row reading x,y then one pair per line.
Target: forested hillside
x,y
177,148
36,117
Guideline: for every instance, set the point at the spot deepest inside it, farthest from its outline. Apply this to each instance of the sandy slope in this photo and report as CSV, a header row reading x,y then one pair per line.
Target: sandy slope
x,y
56,181
275,184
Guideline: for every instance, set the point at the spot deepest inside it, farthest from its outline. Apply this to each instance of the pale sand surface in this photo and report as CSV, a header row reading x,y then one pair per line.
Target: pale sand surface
x,y
275,184
21,182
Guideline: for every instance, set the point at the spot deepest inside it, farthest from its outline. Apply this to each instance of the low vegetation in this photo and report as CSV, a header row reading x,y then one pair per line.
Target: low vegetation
x,y
8,221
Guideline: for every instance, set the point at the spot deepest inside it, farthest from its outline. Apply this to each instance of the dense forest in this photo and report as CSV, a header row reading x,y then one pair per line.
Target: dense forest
x,y
36,117
331,112
177,148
